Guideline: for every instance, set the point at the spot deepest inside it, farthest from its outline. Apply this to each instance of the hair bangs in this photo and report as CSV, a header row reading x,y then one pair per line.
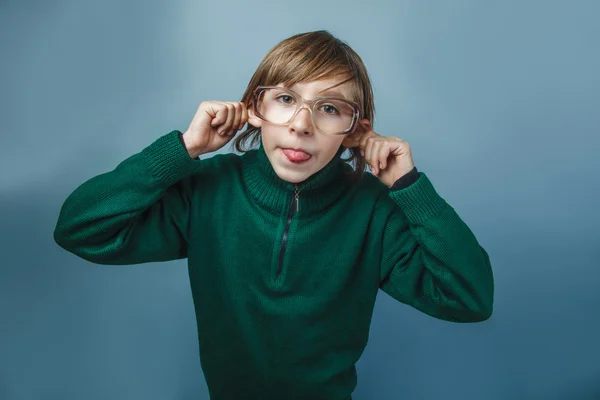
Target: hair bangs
x,y
308,64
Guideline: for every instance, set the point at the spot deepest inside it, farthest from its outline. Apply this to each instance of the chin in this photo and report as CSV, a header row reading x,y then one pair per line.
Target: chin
x,y
292,177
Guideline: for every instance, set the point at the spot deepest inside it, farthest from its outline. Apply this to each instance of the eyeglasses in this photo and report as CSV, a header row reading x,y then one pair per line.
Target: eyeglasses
x,y
330,115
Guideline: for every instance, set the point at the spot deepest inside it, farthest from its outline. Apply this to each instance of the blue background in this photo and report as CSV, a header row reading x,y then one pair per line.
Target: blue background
x,y
499,101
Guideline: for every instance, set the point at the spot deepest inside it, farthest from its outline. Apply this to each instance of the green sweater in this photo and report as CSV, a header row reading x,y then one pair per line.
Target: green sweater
x,y
284,277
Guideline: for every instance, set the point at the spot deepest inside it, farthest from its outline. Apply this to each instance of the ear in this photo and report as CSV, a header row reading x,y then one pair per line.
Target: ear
x,y
252,118
353,139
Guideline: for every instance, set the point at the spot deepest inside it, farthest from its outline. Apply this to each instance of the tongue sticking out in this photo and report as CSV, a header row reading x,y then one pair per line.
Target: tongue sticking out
x,y
294,155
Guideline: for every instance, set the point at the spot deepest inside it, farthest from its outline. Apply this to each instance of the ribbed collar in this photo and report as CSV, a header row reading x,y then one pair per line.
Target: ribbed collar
x,y
320,191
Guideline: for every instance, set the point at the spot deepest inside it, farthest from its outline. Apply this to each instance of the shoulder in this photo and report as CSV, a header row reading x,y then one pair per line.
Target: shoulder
x,y
223,160
369,190
217,169
370,185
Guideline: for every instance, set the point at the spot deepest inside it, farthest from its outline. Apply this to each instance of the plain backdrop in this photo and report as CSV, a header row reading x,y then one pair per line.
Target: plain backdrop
x,y
499,101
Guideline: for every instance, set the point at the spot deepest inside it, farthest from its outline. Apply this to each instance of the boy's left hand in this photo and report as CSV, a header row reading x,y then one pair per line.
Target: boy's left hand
x,y
389,157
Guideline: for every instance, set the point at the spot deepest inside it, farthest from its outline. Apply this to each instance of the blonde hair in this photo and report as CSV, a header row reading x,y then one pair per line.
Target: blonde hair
x,y
308,57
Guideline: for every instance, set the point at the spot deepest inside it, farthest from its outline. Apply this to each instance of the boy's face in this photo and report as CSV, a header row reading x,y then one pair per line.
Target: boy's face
x,y
318,148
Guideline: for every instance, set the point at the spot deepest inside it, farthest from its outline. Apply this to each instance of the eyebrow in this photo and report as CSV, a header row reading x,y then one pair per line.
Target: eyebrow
x,y
333,91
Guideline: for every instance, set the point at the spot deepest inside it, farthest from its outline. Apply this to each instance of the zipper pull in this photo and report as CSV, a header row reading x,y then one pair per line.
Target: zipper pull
x,y
297,194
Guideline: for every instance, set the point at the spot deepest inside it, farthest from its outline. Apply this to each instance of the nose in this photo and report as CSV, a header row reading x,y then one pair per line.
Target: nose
x,y
302,122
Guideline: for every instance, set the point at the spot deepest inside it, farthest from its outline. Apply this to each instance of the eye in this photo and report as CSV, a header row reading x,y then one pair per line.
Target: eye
x,y
286,99
330,109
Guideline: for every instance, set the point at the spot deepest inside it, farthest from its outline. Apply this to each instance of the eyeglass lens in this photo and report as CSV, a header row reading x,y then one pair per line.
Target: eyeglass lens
x,y
329,115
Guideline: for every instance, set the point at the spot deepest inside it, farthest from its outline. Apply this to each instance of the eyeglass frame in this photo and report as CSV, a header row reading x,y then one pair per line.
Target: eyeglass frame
x,y
311,103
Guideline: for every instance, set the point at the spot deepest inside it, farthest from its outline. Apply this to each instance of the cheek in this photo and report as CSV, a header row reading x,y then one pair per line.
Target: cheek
x,y
267,137
330,146
328,149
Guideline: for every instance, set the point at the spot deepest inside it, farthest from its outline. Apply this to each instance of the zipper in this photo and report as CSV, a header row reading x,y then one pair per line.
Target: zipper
x,y
294,201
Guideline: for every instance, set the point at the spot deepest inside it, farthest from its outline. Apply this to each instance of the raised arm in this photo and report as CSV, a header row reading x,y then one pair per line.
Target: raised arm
x,y
432,260
136,213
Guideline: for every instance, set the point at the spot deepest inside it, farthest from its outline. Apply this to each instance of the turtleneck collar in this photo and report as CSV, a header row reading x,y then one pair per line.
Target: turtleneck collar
x,y
318,192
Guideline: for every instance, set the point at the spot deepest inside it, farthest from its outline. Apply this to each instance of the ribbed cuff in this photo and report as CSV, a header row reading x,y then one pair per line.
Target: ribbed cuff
x,y
419,201
168,158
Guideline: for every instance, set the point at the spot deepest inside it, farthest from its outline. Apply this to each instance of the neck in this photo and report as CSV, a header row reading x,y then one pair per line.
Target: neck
x,y
316,193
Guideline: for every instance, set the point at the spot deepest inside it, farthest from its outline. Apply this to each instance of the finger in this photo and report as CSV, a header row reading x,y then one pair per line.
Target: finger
x,y
244,116
229,122
364,148
363,142
237,118
365,137
218,112
369,151
384,153
376,151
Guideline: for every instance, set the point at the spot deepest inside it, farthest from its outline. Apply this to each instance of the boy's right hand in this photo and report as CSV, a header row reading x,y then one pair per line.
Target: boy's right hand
x,y
213,126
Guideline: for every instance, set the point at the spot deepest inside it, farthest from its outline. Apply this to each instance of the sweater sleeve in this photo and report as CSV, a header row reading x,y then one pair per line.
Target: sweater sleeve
x,y
432,260
137,212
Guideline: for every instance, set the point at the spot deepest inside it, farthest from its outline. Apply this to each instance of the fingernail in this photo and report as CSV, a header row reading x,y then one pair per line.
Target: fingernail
x,y
362,153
